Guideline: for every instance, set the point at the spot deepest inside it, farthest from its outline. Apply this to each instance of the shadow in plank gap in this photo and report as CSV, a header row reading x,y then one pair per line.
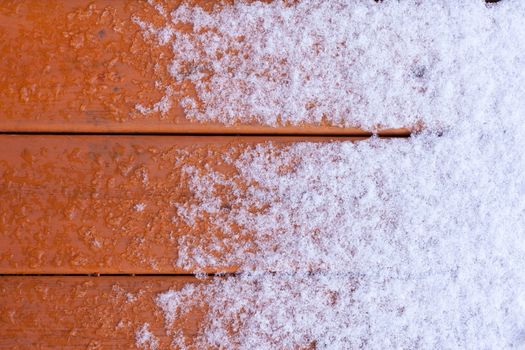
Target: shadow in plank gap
x,y
334,133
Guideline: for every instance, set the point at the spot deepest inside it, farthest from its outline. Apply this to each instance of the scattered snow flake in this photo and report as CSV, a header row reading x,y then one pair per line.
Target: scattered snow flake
x,y
139,207
145,339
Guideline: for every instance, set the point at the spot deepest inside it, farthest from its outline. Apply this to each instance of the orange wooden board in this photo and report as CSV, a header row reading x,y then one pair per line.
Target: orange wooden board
x,y
82,66
68,204
87,312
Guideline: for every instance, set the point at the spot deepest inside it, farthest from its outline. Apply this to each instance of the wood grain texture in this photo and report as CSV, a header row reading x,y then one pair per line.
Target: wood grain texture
x,y
82,66
68,204
87,312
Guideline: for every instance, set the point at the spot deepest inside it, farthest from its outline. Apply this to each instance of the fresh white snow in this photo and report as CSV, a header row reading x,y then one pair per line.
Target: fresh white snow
x,y
413,243
404,243
351,63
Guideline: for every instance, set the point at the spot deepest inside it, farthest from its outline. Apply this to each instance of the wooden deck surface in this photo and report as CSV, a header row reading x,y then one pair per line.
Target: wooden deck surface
x,y
83,66
104,204
77,312
69,202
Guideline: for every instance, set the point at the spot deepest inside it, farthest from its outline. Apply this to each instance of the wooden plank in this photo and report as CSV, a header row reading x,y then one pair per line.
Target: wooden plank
x,y
87,312
82,66
69,204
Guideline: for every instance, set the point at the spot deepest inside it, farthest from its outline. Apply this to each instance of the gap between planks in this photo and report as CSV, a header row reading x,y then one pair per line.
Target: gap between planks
x,y
345,133
205,275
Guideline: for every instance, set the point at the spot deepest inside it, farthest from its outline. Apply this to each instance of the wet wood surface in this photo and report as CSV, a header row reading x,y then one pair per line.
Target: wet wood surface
x,y
75,312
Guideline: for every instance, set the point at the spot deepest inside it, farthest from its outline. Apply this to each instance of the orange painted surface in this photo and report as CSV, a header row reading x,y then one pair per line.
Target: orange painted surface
x,y
68,203
82,66
87,312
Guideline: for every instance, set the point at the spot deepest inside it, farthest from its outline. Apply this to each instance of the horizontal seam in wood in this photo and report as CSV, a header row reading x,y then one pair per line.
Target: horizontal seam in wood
x,y
338,135
117,274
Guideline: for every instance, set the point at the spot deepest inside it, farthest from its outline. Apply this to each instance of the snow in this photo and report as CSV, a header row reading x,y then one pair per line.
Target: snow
x,y
139,207
351,63
145,339
401,243
163,106
414,243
